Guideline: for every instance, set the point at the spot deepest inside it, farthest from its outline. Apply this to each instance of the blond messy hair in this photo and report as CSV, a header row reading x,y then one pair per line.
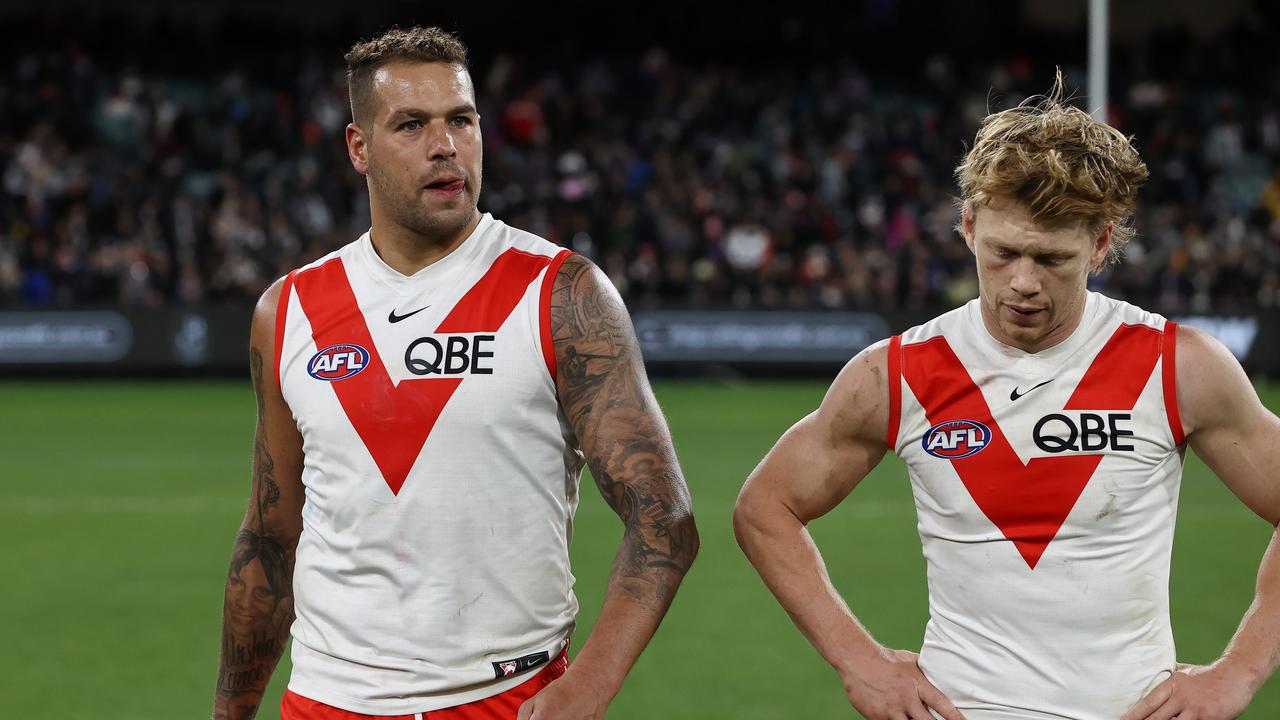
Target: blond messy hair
x,y
1067,168
417,44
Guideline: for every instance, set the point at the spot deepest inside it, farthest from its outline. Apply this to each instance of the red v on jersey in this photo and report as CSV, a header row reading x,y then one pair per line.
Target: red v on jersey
x,y
1028,502
392,420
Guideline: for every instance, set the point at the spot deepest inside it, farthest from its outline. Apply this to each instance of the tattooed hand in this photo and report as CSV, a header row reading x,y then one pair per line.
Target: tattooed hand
x,y
606,397
258,604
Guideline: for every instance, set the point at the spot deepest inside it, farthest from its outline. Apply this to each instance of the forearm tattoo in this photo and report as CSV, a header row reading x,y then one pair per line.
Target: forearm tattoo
x,y
606,398
258,608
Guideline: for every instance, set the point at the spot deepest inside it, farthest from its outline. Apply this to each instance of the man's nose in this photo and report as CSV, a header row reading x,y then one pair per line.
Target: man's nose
x,y
440,143
1026,277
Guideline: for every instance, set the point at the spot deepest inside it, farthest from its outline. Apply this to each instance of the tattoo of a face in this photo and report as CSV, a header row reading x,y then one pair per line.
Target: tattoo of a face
x,y
257,612
258,607
605,395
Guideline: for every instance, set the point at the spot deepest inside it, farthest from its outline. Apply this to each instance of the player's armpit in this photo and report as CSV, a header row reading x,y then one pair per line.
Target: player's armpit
x,y
258,604
606,396
1226,423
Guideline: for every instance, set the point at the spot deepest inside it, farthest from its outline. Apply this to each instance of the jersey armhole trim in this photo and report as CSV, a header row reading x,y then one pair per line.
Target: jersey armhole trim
x,y
895,391
282,307
1169,375
544,311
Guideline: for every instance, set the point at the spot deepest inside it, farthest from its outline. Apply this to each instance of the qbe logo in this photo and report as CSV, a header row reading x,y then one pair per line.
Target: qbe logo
x,y
1084,432
338,362
956,439
450,355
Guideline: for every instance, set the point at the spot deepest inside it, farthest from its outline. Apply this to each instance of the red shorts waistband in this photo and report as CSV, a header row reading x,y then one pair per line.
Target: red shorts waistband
x,y
503,706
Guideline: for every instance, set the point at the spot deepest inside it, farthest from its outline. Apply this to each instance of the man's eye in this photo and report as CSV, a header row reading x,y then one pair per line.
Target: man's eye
x,y
460,121
411,125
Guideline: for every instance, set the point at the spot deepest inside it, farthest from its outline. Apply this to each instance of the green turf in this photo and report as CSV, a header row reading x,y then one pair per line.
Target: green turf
x,y
118,503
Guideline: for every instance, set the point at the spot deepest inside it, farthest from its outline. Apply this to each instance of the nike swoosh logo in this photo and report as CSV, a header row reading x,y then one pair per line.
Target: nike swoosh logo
x,y
1014,395
392,317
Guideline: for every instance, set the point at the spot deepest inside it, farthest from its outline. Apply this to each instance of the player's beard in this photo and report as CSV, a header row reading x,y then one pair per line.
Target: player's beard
x,y
404,205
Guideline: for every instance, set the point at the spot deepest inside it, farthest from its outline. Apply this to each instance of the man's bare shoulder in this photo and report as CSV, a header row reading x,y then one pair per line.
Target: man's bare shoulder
x,y
263,329
857,403
269,301
867,369
590,327
1211,385
577,273
1197,348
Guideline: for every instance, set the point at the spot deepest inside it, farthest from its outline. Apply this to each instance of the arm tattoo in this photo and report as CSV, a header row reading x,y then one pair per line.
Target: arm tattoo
x,y
258,607
266,492
606,397
255,622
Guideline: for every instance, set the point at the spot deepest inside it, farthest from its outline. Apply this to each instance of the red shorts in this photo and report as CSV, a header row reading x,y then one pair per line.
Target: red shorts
x,y
503,706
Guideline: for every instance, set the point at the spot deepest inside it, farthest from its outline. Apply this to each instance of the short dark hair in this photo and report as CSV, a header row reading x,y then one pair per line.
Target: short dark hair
x,y
417,44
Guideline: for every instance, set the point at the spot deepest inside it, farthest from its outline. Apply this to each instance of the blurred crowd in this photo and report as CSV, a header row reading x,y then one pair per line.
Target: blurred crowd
x,y
692,184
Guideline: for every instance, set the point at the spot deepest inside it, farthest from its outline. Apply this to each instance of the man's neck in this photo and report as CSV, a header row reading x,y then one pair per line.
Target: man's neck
x,y
1056,335
407,252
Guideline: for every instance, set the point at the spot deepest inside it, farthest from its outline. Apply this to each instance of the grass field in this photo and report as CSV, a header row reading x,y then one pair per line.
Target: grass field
x,y
118,503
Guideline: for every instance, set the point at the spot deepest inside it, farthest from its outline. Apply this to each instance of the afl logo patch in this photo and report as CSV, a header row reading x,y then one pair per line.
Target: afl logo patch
x,y
956,439
338,362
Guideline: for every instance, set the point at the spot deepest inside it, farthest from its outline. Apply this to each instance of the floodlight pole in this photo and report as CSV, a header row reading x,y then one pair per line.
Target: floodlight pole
x,y
1098,10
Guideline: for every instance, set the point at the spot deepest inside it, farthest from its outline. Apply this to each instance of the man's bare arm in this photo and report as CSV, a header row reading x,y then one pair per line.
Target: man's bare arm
x,y
258,604
813,467
606,397
1239,439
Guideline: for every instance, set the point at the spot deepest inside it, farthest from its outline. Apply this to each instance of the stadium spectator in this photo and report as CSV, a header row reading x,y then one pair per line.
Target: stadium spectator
x,y
690,184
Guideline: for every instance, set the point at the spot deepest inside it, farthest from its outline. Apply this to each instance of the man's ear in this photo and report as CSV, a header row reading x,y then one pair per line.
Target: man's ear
x,y
1101,248
358,148
967,221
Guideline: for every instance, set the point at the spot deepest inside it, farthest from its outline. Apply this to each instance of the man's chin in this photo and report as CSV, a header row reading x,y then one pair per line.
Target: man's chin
x,y
1024,334
444,223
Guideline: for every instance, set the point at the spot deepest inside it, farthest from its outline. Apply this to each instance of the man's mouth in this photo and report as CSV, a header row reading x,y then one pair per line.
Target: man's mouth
x,y
1024,312
446,186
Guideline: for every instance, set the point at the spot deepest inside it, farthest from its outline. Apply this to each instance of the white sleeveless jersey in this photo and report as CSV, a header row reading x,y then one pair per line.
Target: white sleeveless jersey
x,y
1046,487
441,477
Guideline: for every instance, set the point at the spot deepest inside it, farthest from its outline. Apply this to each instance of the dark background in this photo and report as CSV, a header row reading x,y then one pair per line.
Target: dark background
x,y
169,160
